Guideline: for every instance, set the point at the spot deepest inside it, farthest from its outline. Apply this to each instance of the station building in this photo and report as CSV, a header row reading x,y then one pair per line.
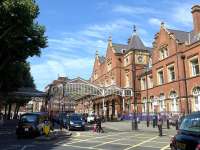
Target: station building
x,y
173,83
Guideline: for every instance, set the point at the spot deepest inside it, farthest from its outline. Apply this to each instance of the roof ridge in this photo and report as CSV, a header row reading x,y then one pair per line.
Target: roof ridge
x,y
178,30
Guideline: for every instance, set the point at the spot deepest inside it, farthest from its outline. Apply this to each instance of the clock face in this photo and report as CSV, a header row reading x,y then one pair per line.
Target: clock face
x,y
140,59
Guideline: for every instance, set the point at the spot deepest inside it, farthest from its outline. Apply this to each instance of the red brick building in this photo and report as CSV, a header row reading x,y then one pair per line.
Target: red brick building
x,y
173,82
116,70
165,78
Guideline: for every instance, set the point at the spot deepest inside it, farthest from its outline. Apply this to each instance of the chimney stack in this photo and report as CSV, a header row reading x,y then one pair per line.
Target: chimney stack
x,y
196,18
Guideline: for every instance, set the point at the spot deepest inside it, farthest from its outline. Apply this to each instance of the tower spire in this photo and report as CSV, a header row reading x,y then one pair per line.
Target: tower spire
x,y
110,40
97,53
134,30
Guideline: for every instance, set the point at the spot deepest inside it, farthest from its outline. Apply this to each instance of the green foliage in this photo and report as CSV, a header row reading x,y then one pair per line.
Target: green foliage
x,y
20,34
20,37
16,75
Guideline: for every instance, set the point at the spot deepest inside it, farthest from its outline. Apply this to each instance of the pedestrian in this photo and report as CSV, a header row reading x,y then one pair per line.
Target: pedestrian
x,y
98,125
160,122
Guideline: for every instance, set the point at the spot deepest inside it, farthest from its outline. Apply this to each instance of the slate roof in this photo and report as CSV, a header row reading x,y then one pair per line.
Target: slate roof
x,y
183,36
119,47
136,43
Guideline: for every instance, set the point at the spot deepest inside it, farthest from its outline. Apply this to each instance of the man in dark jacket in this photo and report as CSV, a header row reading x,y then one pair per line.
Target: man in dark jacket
x,y
160,123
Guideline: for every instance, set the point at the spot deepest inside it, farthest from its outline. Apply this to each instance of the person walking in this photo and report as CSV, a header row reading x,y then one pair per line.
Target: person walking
x,y
160,122
98,123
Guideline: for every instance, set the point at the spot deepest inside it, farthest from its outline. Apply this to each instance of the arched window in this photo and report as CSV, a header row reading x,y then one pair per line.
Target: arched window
x,y
162,104
174,104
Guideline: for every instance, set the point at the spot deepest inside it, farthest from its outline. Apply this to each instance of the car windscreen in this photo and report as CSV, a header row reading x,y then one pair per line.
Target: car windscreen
x,y
191,123
76,118
28,118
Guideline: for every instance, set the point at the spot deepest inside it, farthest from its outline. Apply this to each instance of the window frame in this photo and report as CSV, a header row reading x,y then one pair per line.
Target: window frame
x,y
158,76
169,73
191,60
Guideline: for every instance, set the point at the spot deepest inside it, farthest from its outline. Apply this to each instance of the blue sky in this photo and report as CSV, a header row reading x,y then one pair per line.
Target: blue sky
x,y
77,28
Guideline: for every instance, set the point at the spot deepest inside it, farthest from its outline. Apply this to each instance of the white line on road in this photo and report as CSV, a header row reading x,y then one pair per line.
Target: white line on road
x,y
141,143
115,140
94,138
165,147
26,146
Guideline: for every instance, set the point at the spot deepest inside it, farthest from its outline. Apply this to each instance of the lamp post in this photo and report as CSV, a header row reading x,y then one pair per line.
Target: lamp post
x,y
147,94
134,122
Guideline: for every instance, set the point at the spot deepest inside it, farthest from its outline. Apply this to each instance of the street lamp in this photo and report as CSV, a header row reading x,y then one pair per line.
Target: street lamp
x,y
147,94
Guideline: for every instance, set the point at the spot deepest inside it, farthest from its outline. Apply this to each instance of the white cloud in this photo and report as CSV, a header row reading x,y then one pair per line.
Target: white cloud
x,y
155,21
132,10
72,54
49,70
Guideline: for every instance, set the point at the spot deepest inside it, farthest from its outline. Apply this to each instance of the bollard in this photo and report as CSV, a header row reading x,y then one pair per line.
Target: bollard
x,y
176,124
154,123
168,127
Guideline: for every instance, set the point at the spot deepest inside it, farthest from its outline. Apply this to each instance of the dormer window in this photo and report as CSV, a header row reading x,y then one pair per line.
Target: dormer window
x,y
163,53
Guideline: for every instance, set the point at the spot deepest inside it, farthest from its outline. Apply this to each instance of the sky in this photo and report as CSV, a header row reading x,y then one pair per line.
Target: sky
x,y
77,28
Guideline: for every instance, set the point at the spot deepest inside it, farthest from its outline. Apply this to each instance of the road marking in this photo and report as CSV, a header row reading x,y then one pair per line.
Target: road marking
x,y
77,134
26,146
76,146
94,138
141,143
114,140
105,143
165,147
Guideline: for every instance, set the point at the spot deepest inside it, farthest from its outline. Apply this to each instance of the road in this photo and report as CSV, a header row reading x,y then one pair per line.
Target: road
x,y
110,140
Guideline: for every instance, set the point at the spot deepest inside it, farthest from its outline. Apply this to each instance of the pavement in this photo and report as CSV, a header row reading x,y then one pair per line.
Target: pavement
x,y
117,136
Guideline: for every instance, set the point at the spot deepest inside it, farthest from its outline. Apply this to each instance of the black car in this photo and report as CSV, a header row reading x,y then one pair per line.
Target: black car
x,y
31,124
76,122
188,135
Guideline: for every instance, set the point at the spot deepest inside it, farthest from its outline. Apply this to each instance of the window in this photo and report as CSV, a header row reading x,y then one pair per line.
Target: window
x,y
150,81
160,77
127,81
126,60
171,73
109,65
163,53
194,67
143,84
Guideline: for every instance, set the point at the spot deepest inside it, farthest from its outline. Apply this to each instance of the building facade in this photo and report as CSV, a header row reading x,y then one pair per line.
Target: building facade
x,y
165,78
173,83
58,100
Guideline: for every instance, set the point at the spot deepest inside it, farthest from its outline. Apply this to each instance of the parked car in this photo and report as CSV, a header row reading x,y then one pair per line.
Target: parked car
x,y
188,135
31,124
76,122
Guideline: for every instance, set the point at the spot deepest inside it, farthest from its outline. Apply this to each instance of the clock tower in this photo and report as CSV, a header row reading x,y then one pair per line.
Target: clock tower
x,y
140,55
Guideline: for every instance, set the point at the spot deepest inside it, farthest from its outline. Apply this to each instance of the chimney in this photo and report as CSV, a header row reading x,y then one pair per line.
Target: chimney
x,y
196,18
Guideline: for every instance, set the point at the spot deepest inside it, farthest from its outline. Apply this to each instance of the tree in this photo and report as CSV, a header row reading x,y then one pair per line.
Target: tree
x,y
20,37
21,78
